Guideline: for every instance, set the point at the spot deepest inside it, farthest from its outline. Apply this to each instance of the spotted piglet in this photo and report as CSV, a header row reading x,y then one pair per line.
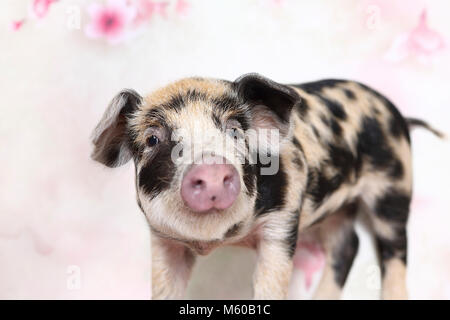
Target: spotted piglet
x,y
259,164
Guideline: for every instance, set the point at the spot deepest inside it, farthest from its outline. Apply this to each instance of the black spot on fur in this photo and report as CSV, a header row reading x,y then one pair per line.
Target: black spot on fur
x,y
179,100
136,148
336,127
332,124
157,114
234,230
372,143
398,123
393,206
325,120
392,248
302,108
157,174
343,257
373,146
271,190
297,143
401,123
319,186
396,171
298,162
349,94
194,95
346,246
291,239
316,133
226,102
234,106
318,86
395,129
249,178
342,159
242,118
335,107
175,103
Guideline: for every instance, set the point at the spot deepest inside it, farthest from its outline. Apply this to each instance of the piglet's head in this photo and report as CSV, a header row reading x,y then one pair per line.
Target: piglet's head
x,y
199,147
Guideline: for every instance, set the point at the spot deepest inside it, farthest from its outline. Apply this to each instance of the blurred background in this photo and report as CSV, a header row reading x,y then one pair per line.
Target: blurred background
x,y
71,229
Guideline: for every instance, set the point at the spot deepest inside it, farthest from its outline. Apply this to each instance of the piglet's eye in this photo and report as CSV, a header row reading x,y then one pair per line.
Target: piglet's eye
x,y
152,141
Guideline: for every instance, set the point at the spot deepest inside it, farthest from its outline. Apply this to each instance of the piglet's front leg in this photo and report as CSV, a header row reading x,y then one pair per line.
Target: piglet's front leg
x,y
171,268
274,263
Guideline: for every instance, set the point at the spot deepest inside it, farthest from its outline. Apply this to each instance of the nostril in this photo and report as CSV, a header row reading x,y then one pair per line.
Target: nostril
x,y
198,184
227,180
213,198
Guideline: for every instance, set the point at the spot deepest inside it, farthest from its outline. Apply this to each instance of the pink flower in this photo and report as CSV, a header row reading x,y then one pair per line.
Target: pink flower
x,y
39,8
421,42
110,21
161,8
145,11
147,8
16,25
182,7
309,258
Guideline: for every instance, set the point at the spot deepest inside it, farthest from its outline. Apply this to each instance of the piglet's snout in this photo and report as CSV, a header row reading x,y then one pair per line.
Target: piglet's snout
x,y
210,186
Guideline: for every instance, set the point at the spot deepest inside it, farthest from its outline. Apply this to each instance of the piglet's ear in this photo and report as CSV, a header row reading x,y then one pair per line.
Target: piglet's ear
x,y
110,137
270,101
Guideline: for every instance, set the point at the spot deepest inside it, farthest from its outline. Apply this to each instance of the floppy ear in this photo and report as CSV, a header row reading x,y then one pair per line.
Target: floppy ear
x,y
110,137
271,103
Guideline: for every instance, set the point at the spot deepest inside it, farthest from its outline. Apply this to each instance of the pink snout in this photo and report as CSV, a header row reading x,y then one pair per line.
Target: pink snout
x,y
210,186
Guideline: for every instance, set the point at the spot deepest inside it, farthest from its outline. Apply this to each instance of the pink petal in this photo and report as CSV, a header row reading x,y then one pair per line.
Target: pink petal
x,y
423,39
182,7
110,21
146,8
421,43
122,9
16,25
161,8
40,8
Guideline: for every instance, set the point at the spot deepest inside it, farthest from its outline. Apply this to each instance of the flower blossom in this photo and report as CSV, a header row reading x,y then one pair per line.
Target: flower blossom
x,y
421,42
40,8
110,21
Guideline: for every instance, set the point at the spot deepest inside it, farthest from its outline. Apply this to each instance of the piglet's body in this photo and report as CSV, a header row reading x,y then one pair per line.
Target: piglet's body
x,y
209,173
